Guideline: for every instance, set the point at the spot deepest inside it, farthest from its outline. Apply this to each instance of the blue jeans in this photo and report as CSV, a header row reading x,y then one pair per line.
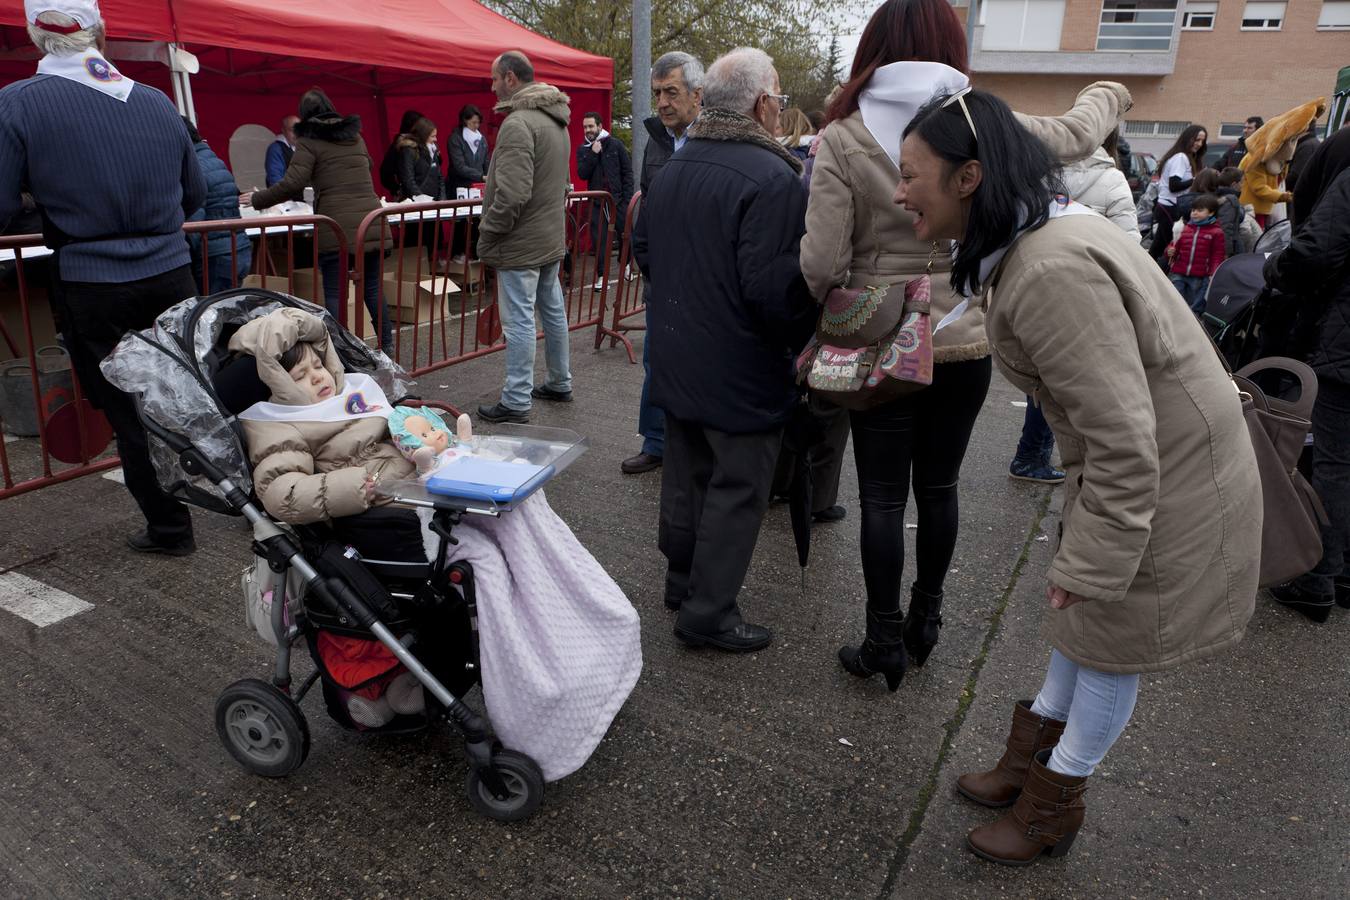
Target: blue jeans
x,y
651,419
218,276
1037,441
379,311
1331,480
1096,706
519,291
1192,289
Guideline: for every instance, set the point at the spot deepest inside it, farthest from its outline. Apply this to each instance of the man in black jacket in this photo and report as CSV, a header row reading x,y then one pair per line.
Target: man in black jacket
x,y
729,309
604,162
1315,269
1233,155
677,84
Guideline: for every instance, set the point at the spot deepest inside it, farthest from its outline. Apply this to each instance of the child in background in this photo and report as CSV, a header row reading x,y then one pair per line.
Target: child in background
x,y
1231,212
1197,254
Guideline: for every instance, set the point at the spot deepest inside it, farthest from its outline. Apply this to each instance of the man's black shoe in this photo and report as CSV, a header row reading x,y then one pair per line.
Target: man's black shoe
x,y
1315,606
744,638
831,514
643,462
141,543
548,393
673,603
498,413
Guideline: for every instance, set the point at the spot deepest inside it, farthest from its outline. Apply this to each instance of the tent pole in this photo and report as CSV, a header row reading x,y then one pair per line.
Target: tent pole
x,y
381,114
642,68
182,86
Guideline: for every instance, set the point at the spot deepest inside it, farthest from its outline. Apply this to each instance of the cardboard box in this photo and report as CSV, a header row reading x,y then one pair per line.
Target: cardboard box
x,y
422,302
307,284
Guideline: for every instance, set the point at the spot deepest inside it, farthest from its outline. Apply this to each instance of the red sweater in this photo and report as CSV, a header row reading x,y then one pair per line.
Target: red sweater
x,y
1200,250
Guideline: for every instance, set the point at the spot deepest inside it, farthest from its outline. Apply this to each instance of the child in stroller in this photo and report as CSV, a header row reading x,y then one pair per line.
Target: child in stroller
x,y
412,605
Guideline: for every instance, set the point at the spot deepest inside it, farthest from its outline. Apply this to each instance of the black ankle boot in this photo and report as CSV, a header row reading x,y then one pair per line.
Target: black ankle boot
x,y
922,624
883,650
1343,593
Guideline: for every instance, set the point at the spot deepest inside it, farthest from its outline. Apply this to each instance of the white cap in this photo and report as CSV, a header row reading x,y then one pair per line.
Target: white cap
x,y
84,12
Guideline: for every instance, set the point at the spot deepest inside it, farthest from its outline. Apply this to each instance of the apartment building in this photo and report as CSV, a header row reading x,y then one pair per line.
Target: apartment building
x,y
1211,62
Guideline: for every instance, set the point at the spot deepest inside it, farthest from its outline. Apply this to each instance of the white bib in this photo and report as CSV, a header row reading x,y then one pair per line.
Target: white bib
x,y
89,69
361,398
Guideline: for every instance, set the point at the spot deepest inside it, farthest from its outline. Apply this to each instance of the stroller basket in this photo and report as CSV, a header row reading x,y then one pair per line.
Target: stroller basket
x,y
189,388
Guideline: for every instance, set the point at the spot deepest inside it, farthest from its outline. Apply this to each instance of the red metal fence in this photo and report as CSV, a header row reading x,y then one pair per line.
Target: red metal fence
x,y
436,295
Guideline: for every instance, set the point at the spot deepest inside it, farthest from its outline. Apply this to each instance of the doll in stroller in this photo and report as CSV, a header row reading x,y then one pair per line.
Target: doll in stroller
x,y
410,617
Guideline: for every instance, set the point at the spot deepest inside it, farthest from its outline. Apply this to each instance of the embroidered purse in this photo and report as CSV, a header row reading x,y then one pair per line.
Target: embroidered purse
x,y
871,344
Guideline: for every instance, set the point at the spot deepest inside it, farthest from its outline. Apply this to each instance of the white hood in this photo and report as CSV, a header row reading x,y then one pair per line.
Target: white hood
x,y
894,95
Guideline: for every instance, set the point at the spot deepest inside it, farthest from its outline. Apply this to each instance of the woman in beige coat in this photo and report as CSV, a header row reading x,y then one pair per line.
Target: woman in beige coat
x,y
855,237
1160,540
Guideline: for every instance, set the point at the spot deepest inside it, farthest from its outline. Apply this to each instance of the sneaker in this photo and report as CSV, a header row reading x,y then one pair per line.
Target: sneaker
x,y
457,259
1041,473
141,543
370,713
629,273
833,514
599,284
1315,606
498,413
547,393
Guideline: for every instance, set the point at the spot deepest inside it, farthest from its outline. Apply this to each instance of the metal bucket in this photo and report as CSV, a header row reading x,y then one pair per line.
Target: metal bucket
x,y
17,412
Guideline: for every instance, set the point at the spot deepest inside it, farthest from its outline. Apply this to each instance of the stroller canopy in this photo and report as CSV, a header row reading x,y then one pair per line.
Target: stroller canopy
x,y
179,370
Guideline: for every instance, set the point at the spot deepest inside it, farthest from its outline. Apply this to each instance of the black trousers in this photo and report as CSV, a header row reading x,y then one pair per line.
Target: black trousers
x,y
1164,217
93,317
714,492
926,432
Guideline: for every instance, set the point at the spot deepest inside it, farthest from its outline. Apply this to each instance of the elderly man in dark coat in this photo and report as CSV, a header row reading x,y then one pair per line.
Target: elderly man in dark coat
x,y
728,308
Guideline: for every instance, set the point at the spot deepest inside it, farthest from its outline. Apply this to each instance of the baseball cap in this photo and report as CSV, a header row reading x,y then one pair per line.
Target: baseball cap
x,y
84,12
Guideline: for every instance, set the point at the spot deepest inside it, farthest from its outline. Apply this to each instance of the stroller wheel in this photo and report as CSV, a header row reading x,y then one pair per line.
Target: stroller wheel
x,y
263,728
524,785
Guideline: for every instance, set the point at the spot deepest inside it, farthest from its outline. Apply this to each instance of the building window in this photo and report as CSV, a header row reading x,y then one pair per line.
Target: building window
x,y
1335,16
1263,16
1021,24
1230,131
1139,128
1199,16
1137,25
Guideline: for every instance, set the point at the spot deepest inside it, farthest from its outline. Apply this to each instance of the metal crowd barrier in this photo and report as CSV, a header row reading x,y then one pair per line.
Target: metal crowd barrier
x,y
630,301
51,433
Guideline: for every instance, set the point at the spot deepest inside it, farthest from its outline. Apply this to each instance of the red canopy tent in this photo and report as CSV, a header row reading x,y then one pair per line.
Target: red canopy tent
x,y
375,58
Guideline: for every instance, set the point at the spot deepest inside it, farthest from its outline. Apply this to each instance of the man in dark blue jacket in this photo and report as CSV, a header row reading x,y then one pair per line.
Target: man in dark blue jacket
x,y
729,310
604,162
114,192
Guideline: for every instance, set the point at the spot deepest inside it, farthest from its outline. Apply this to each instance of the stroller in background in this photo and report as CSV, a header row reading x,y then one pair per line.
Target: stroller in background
x,y
1238,298
188,389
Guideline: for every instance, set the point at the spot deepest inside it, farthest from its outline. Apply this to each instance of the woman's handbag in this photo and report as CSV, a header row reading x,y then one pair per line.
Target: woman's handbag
x,y
1291,536
871,344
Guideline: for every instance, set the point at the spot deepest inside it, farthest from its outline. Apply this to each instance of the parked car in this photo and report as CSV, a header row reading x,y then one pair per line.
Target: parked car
x,y
1214,153
1139,169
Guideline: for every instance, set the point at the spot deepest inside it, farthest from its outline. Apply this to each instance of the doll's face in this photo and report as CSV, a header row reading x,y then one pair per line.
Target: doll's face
x,y
310,375
430,436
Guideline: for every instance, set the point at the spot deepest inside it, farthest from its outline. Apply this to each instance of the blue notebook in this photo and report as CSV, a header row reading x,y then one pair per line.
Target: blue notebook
x,y
491,480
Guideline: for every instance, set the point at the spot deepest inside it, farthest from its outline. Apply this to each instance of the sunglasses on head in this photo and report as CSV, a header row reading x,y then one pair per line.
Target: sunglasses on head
x,y
960,98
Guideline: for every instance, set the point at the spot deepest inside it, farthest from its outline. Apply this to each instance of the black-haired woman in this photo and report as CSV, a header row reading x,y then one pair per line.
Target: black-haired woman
x,y
1179,165
332,158
1161,530
469,158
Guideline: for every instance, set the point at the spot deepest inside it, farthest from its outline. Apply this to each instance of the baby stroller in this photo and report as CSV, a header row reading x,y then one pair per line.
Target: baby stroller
x,y
188,389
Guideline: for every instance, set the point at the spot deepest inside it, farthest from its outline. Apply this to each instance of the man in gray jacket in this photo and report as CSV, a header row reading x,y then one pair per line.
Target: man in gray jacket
x,y
522,233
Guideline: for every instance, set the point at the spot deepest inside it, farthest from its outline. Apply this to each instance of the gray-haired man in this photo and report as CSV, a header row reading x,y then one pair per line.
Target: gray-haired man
x,y
677,88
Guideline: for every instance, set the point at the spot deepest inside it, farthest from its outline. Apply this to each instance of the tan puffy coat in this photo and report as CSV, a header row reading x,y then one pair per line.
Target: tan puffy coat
x,y
856,235
1097,183
310,471
523,224
1162,504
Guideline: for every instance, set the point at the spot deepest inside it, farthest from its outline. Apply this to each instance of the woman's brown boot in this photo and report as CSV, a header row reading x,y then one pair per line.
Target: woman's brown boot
x,y
1045,819
1000,786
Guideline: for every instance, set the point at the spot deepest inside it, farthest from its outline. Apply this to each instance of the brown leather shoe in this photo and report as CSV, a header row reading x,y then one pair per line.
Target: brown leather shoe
x,y
1045,819
1000,786
643,462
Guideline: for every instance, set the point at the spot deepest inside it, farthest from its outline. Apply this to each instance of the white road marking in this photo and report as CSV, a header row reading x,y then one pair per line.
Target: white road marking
x,y
115,475
39,603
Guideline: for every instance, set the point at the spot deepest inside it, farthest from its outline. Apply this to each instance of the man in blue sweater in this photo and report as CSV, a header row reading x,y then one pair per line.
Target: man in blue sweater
x,y
114,191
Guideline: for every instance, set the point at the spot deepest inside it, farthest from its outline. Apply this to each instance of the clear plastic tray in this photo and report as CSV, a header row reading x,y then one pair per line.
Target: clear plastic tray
x,y
538,444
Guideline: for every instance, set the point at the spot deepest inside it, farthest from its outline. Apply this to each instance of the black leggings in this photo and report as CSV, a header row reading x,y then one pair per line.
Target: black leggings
x,y
929,429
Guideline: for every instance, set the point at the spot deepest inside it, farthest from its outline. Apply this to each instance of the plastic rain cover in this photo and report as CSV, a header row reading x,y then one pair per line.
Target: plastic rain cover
x,y
170,368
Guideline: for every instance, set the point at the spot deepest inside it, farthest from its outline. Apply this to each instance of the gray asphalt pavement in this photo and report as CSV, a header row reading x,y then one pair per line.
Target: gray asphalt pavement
x,y
769,775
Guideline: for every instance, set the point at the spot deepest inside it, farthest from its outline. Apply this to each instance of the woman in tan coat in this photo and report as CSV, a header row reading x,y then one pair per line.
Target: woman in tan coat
x,y
1160,541
855,236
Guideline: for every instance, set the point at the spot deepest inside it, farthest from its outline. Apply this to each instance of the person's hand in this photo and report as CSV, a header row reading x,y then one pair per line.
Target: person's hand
x,y
1171,251
597,147
246,198
1286,197
1060,598
368,488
